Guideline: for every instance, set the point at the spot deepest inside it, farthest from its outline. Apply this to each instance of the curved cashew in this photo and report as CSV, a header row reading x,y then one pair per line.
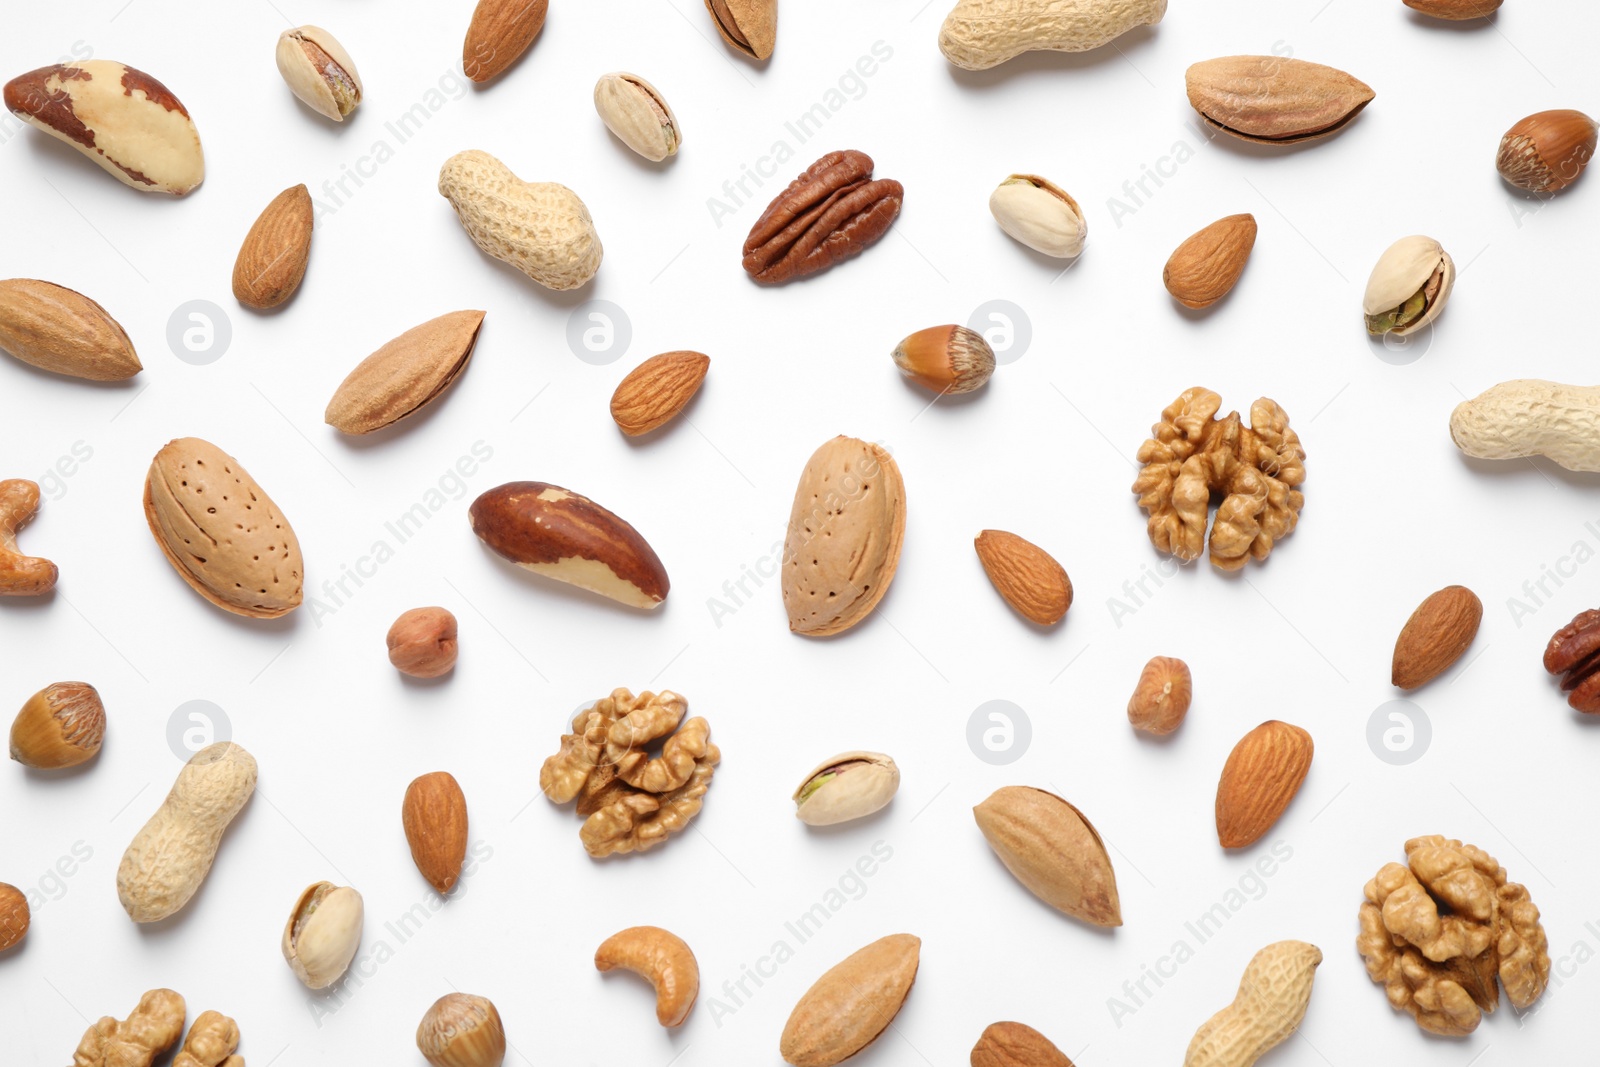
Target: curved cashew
x,y
663,959
21,575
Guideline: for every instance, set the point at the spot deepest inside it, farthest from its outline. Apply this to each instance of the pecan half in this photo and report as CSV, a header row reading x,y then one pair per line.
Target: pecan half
x,y
831,212
1574,653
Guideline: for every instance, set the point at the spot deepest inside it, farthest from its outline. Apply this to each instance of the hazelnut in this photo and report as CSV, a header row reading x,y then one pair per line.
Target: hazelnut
x,y
1161,699
61,725
422,642
14,916
462,1030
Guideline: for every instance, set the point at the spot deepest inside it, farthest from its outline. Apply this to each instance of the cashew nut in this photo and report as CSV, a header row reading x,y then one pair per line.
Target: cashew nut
x,y
663,959
21,575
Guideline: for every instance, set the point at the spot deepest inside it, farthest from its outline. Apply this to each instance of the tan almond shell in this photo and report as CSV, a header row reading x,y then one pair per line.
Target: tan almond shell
x,y
841,552
655,391
221,531
851,1005
755,24
1275,99
405,375
272,261
1263,773
62,331
1207,265
500,31
1053,850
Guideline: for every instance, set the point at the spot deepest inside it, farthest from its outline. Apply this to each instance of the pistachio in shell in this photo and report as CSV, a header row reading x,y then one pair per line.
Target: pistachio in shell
x,y
1409,286
322,934
851,785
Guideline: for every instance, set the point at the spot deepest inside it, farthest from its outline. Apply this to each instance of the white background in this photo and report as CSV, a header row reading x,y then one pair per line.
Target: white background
x,y
1392,513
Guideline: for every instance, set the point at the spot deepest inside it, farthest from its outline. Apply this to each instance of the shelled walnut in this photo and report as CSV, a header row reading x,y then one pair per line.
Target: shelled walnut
x,y
1256,469
1439,929
632,800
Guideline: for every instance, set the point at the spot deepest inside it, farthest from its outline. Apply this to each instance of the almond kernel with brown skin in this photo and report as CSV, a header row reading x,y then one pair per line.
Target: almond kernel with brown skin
x,y
405,375
1263,773
1053,850
946,359
15,916
1011,1044
1455,10
272,261
1437,634
1026,576
500,31
56,329
434,816
1161,699
1274,99
62,725
851,1005
1206,266
655,391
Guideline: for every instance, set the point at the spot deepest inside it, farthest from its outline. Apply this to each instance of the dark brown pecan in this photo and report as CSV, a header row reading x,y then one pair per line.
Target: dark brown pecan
x,y
1574,652
828,214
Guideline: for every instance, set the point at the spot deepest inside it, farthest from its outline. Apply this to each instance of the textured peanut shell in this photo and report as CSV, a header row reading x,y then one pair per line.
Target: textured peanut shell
x,y
169,858
979,34
221,532
126,121
847,1009
845,533
541,228
1269,1006
64,332
405,375
1530,417
1054,851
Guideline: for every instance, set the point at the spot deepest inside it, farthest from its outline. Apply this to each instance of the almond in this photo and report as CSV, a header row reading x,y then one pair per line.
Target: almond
x,y
1274,99
64,332
1207,266
272,261
1455,9
434,816
851,1005
656,390
500,31
1026,576
1436,635
221,531
751,26
1263,773
845,532
558,533
1016,1045
405,375
1054,851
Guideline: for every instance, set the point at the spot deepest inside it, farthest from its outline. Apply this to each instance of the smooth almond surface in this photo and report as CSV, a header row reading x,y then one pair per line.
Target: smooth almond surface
x,y
405,375
272,261
852,1004
1275,99
1262,775
1438,633
656,390
1026,576
64,332
1054,851
1207,266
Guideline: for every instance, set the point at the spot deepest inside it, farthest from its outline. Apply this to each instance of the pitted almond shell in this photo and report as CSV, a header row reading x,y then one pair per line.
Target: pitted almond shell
x,y
405,375
64,332
1275,99
851,1005
1054,851
221,531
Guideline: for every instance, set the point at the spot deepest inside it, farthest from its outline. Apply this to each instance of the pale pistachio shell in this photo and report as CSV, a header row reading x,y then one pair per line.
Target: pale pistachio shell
x,y
1040,215
323,933
638,114
863,783
332,90
1402,270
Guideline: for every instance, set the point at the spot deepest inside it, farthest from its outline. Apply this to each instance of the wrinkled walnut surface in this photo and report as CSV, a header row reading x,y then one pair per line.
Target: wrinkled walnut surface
x,y
1192,456
1437,931
631,800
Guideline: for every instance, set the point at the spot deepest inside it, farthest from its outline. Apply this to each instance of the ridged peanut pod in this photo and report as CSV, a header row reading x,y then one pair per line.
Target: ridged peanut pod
x,y
979,34
1528,417
541,228
173,853
1270,1004
663,959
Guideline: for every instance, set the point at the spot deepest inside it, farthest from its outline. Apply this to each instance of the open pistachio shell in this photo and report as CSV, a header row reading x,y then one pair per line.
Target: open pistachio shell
x,y
1409,286
323,933
849,786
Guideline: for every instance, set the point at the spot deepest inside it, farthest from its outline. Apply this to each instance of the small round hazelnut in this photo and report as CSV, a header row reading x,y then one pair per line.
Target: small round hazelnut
x,y
422,642
462,1030
14,916
62,725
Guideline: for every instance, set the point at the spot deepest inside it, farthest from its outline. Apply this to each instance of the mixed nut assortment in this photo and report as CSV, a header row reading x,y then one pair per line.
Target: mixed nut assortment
x,y
1442,933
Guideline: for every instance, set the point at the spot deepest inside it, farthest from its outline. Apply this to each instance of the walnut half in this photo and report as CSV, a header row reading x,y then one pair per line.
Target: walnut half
x,y
1439,930
1193,456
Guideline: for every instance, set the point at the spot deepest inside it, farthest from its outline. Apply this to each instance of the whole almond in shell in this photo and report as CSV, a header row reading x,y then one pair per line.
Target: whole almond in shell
x,y
847,1009
272,261
221,531
845,533
1206,267
1026,576
656,390
568,537
1054,851
1275,99
434,816
405,375
1438,633
500,31
64,332
1016,1045
1263,773
751,26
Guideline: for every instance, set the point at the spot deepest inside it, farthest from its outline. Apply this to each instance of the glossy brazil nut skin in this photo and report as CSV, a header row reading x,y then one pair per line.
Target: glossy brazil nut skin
x,y
831,212
566,536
